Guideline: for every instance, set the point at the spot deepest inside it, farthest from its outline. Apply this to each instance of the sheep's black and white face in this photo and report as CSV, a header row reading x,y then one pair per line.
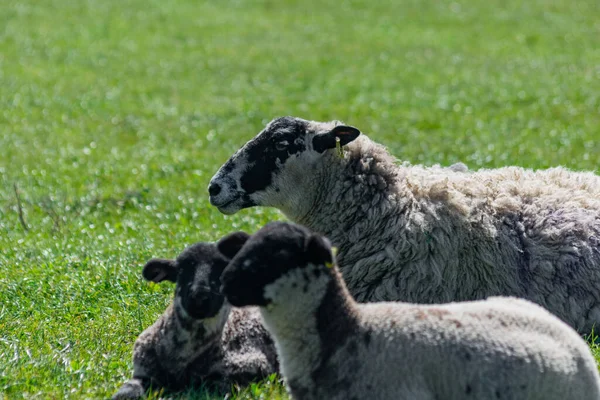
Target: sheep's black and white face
x,y
196,273
278,250
268,167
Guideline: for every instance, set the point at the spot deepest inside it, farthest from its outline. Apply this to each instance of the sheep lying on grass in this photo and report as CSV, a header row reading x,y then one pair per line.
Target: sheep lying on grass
x,y
427,234
331,347
200,339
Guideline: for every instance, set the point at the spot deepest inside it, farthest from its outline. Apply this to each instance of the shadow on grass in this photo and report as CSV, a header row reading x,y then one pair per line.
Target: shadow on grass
x,y
269,388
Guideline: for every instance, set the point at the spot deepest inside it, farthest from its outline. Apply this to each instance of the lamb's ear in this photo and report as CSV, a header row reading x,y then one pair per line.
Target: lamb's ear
x,y
230,245
318,250
326,141
160,269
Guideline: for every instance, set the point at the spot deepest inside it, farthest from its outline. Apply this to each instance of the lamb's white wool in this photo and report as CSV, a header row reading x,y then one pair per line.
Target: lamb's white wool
x,y
427,234
331,347
200,338
288,288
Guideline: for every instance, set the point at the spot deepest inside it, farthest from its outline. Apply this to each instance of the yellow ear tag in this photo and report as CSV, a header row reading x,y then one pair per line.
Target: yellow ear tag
x,y
334,251
338,146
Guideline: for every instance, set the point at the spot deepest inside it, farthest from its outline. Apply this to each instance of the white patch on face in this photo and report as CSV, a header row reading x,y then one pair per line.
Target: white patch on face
x,y
289,178
199,278
229,198
291,186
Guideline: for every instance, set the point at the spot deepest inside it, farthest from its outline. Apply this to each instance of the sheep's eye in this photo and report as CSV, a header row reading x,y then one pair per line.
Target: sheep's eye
x,y
281,145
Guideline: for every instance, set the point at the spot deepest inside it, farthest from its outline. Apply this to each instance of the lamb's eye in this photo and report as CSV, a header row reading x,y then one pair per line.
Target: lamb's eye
x,y
281,145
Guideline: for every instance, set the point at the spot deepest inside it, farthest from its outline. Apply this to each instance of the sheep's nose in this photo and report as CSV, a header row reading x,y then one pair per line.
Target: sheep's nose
x,y
214,189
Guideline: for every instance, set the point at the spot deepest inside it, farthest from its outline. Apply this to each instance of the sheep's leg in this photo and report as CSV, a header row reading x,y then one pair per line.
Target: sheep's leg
x,y
134,388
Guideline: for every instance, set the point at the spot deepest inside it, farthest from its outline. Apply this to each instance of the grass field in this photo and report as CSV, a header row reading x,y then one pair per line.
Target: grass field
x,y
115,114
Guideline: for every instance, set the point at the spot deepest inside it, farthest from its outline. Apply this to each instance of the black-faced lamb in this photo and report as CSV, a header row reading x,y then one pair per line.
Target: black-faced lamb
x,y
427,234
200,339
331,347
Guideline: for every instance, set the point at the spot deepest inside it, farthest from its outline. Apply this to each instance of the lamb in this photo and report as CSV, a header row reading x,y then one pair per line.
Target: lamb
x,y
427,234
331,347
200,339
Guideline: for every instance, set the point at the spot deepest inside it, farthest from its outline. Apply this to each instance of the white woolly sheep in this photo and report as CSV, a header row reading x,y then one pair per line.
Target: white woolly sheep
x,y
200,339
331,347
427,234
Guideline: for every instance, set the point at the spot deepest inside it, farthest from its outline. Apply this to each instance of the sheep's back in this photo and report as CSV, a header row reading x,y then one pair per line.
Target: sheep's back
x,y
478,348
433,234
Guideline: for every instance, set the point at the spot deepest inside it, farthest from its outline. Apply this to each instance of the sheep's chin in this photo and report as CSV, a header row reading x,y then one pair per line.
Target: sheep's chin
x,y
228,210
231,207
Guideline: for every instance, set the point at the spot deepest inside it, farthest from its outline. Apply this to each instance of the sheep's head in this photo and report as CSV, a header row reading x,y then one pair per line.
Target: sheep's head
x,y
269,168
278,250
196,272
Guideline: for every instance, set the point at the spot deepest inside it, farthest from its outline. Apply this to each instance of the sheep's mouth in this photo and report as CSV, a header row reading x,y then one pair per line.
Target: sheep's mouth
x,y
213,201
229,207
226,211
222,205
240,201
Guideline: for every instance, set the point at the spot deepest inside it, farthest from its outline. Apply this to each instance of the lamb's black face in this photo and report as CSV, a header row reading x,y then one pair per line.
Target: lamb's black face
x,y
270,253
196,272
248,177
198,283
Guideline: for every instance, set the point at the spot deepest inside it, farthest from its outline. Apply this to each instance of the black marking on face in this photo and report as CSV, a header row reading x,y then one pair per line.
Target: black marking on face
x,y
200,267
270,253
196,272
281,139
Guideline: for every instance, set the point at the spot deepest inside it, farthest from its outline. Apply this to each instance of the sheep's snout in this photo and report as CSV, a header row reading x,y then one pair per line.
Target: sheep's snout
x,y
224,195
214,189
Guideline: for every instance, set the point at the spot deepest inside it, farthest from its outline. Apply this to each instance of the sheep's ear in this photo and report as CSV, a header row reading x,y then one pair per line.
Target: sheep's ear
x,y
318,250
326,141
230,245
160,269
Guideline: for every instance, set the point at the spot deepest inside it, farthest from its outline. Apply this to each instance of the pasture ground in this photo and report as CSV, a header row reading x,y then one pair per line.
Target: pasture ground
x,y
115,114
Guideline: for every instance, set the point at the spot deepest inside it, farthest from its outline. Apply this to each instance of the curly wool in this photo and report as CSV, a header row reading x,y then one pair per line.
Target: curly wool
x,y
234,348
432,234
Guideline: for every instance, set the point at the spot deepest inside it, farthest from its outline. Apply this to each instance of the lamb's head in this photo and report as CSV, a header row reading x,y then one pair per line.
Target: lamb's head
x,y
272,166
279,259
196,272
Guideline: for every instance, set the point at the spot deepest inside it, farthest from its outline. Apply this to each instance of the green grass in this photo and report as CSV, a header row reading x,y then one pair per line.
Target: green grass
x,y
115,114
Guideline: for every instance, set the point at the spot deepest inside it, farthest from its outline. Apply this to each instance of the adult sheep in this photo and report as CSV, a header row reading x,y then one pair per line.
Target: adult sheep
x,y
426,234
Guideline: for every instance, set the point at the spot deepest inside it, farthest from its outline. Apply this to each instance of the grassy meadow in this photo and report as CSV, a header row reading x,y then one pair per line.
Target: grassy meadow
x,y
115,114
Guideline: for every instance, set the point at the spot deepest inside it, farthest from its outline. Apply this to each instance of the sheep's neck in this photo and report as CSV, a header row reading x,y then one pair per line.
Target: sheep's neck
x,y
308,331
336,316
348,191
320,194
